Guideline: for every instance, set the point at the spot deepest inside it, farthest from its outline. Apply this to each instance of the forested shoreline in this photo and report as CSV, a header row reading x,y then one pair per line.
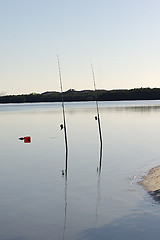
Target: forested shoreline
x,y
85,95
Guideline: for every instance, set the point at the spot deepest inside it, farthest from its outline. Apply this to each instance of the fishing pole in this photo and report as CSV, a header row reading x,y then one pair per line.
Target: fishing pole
x,y
63,126
98,116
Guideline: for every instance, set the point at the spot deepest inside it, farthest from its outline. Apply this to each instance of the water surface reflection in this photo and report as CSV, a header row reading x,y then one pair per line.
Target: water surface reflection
x,y
140,226
37,202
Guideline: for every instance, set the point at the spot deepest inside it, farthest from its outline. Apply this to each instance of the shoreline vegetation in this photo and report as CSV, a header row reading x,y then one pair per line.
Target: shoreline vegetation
x,y
72,95
151,183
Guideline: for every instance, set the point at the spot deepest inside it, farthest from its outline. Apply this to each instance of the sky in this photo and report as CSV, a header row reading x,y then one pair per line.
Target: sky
x,y
121,37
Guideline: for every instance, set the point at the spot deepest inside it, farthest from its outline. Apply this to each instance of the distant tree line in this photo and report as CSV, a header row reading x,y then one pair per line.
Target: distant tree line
x,y
85,95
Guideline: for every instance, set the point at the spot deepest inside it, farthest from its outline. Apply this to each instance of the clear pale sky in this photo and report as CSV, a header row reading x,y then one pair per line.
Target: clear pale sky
x,y
122,37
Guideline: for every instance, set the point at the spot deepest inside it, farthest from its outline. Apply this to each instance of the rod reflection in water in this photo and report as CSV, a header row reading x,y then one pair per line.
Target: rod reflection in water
x,y
98,119
65,207
98,196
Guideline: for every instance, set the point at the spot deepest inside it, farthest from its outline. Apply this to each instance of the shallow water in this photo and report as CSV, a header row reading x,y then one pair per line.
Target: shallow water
x,y
37,202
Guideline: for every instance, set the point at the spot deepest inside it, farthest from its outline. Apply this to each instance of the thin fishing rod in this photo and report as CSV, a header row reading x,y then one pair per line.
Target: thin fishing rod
x,y
63,111
94,83
98,117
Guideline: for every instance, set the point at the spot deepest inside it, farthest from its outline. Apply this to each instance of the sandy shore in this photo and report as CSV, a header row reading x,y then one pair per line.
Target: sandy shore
x,y
151,182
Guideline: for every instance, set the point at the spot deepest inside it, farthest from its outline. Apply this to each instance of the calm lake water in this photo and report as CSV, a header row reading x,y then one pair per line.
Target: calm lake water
x,y
38,203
